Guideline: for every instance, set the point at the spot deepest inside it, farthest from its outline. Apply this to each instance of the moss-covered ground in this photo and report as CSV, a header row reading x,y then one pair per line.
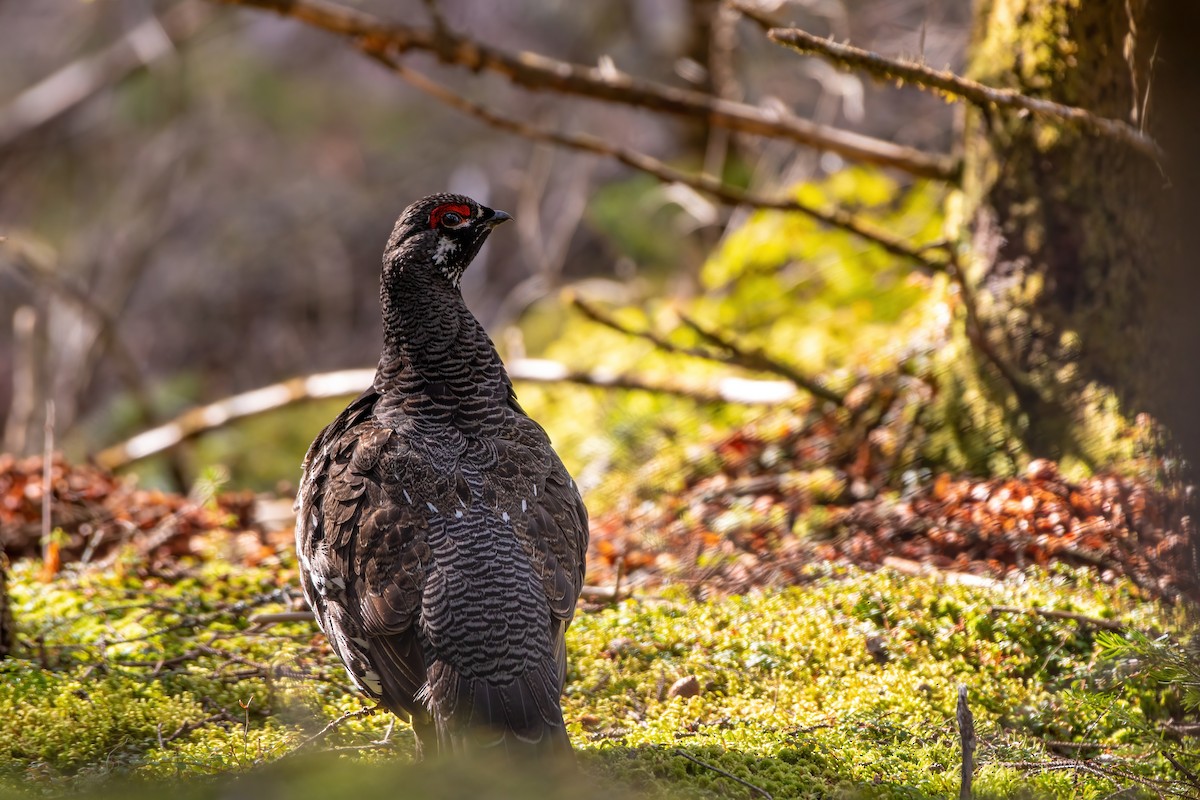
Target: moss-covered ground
x,y
845,685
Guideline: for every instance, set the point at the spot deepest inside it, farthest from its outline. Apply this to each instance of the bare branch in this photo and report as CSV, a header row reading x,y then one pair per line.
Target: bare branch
x,y
33,270
337,723
537,72
25,377
600,317
836,218
50,98
955,86
723,390
198,421
757,358
736,355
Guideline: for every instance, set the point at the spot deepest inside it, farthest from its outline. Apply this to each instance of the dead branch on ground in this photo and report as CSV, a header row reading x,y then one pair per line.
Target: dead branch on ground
x,y
345,383
966,735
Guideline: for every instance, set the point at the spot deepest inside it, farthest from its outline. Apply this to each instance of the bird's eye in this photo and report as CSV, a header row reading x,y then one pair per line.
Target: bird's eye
x,y
449,216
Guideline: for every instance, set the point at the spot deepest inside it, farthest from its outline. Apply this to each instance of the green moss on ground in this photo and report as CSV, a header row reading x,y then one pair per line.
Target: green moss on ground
x,y
845,686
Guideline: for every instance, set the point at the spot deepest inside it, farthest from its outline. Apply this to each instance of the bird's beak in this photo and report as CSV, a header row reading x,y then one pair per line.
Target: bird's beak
x,y
496,218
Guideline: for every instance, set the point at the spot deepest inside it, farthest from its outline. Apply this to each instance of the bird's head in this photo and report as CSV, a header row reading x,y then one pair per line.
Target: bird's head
x,y
442,232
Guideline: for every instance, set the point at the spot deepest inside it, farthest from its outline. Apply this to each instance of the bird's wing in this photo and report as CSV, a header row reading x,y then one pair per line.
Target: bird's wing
x,y
551,521
526,485
363,557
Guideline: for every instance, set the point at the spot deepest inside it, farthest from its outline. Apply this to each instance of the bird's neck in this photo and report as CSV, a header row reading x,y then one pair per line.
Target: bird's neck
x,y
438,364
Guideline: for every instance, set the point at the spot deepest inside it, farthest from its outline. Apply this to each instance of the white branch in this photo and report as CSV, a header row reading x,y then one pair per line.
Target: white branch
x,y
346,383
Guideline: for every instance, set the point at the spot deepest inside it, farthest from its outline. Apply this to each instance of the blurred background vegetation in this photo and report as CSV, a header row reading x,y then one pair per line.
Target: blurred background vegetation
x,y
208,218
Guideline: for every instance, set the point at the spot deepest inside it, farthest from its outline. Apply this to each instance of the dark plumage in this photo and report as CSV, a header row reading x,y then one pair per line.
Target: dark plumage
x,y
441,540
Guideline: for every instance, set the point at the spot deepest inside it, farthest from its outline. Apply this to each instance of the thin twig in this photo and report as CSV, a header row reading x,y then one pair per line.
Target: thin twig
x,y
538,72
966,735
153,38
602,317
835,218
30,269
49,547
349,715
1187,773
720,771
735,354
387,735
955,86
757,358
1084,619
187,727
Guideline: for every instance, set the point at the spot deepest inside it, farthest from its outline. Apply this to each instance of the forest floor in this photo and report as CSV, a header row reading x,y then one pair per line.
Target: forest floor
x,y
789,620
762,505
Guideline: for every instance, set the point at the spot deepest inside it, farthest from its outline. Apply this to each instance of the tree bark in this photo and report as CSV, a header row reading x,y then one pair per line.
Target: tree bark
x,y
1065,231
7,633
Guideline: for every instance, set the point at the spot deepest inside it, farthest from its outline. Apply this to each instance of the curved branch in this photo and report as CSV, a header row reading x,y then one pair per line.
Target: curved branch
x,y
346,383
537,72
955,86
836,218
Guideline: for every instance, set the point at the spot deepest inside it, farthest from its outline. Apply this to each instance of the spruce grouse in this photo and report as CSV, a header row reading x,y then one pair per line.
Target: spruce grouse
x,y
441,541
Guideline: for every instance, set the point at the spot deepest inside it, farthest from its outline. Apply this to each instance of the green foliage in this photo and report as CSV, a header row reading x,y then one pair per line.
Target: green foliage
x,y
1173,661
140,678
821,301
634,216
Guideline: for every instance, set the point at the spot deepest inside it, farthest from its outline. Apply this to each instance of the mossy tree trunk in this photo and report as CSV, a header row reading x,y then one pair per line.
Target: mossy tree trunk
x,y
1063,230
7,633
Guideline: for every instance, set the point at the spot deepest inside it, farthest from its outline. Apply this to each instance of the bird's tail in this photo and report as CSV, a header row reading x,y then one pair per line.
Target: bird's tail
x,y
522,717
